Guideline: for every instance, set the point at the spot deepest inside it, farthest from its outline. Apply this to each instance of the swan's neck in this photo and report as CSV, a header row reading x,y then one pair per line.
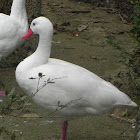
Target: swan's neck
x,y
42,53
44,48
18,11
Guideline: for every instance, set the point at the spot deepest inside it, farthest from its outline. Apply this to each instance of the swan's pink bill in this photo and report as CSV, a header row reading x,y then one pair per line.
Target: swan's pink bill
x,y
28,35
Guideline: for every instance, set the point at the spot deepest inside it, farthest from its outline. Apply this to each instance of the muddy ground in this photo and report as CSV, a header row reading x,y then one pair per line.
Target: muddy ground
x,y
90,50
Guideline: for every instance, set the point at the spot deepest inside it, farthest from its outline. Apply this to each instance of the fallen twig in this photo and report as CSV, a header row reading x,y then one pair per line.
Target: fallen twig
x,y
78,12
121,119
122,18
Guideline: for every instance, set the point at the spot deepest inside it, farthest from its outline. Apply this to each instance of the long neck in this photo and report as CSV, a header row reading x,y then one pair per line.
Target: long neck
x,y
18,10
42,54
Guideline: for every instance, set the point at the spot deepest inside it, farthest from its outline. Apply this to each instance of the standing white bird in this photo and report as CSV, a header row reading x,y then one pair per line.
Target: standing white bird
x,y
54,83
12,28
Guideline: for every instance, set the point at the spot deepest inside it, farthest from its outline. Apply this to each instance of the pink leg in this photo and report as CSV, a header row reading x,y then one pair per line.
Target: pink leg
x,y
64,130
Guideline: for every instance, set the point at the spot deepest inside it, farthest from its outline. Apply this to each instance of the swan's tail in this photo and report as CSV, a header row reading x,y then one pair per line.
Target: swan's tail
x,y
125,100
132,104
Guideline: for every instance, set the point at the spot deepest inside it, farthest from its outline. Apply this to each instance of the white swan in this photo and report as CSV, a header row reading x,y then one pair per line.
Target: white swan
x,y
80,90
12,28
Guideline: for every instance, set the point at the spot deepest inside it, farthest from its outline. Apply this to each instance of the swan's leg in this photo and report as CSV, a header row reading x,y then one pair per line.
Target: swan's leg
x,y
64,130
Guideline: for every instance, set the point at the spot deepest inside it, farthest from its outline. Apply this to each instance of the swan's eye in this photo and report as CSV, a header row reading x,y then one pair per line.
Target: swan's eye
x,y
34,24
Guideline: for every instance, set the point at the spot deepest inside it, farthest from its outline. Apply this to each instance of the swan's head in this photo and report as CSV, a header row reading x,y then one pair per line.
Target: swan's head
x,y
40,25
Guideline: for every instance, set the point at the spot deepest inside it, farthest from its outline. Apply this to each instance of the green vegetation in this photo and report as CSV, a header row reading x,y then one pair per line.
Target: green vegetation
x,y
134,60
11,101
133,63
136,20
7,134
131,59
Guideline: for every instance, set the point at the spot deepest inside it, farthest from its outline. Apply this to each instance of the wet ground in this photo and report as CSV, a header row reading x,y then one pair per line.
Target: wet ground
x,y
90,50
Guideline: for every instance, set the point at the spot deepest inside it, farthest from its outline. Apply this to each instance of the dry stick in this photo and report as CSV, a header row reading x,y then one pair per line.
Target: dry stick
x,y
121,119
29,98
38,88
25,105
78,12
121,18
56,110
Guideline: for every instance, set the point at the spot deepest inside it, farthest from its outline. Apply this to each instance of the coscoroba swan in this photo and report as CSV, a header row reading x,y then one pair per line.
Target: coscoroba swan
x,y
12,28
55,83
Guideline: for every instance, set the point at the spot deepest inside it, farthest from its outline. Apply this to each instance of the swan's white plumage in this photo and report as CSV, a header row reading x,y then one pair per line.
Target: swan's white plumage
x,y
71,82
12,28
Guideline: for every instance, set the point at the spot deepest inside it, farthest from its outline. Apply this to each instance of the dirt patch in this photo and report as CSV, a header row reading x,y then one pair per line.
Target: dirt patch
x,y
125,7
